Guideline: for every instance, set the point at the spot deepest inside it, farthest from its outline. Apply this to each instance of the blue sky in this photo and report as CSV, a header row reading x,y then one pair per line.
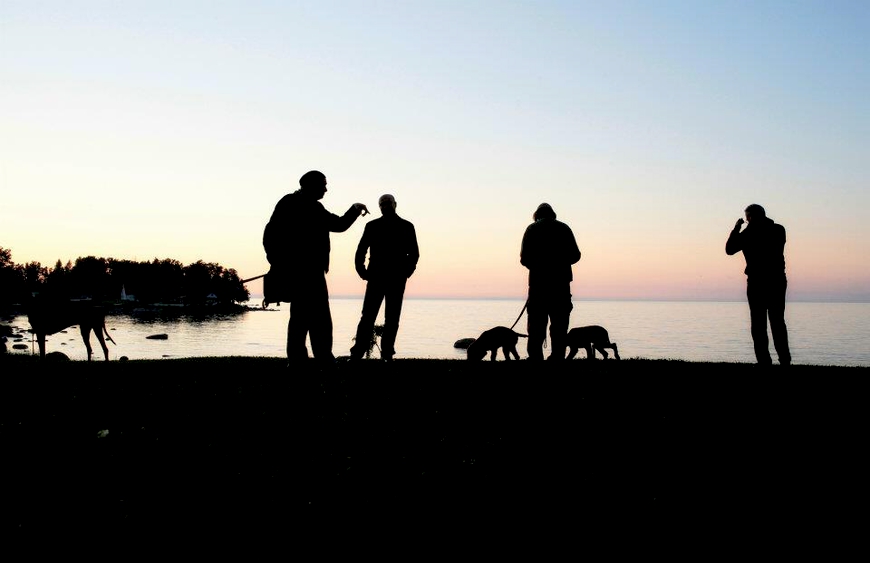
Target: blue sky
x,y
170,129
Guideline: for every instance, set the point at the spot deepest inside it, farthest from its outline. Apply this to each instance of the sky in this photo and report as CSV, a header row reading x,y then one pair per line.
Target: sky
x,y
169,129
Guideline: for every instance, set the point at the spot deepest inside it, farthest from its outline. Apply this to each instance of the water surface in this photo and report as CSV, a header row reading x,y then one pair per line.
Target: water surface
x,y
819,333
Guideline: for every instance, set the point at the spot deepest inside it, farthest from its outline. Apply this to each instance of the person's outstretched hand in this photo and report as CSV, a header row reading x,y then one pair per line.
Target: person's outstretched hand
x,y
363,210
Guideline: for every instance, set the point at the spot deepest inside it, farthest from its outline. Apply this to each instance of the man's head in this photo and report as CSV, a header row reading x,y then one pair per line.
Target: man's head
x,y
314,183
544,211
387,203
754,211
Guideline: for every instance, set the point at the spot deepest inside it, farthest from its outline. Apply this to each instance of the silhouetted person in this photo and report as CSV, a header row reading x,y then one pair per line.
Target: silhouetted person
x,y
763,244
548,251
297,246
391,243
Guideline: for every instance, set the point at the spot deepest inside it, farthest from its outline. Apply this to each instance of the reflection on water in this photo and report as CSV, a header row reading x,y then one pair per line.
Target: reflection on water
x,y
820,333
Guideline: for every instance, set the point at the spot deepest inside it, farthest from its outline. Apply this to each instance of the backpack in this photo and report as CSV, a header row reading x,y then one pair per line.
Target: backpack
x,y
278,281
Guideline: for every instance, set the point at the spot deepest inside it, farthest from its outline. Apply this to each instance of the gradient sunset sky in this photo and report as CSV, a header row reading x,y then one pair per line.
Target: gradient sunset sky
x,y
151,129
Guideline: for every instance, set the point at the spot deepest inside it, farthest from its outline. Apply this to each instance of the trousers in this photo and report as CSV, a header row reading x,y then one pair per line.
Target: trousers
x,y
310,317
766,299
550,304
390,292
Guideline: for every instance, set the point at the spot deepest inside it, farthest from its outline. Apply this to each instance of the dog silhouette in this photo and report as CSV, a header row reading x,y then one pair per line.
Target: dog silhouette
x,y
591,338
493,339
52,317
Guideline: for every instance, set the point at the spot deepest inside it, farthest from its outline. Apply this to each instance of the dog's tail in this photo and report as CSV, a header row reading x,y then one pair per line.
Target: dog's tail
x,y
109,336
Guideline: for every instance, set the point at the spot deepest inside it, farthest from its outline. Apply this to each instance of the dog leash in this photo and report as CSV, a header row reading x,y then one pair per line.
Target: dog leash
x,y
526,304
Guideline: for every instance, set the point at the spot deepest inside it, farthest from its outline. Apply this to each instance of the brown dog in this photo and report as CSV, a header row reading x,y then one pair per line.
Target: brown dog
x,y
493,339
592,337
52,318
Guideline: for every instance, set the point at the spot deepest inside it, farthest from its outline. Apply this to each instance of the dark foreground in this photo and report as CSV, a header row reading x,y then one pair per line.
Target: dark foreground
x,y
243,441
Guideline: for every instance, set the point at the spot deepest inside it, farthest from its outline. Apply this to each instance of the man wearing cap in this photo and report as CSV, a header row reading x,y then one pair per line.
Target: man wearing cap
x,y
297,244
548,250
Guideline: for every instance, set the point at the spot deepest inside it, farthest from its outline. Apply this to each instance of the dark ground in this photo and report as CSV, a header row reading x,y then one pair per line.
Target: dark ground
x,y
237,441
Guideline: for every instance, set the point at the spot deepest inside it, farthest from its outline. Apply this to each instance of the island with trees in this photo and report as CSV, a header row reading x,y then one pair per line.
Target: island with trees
x,y
123,284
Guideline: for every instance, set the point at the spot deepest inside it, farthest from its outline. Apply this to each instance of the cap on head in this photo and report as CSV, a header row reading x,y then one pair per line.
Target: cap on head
x,y
755,210
544,211
313,178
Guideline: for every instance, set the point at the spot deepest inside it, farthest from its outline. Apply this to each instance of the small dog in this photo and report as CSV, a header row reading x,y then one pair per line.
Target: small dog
x,y
493,339
52,318
591,338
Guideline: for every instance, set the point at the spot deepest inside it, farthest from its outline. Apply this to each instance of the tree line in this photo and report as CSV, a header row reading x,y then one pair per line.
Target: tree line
x,y
102,279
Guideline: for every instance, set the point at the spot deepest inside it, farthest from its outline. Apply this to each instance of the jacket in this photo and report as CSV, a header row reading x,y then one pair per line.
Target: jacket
x,y
763,246
296,237
548,250
391,243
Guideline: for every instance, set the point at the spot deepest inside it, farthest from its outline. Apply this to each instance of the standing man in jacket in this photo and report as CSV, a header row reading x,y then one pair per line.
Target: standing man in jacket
x,y
297,247
763,246
549,249
391,243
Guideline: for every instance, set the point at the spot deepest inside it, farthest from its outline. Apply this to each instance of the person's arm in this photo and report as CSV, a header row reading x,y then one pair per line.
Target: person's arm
x,y
526,258
338,224
573,251
413,250
734,245
359,259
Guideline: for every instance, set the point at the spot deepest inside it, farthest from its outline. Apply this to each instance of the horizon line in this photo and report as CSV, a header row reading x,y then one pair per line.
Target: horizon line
x,y
636,299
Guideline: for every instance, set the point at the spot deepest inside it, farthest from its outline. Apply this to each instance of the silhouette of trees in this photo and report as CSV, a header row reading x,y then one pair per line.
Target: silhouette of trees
x,y
89,277
34,276
13,280
157,281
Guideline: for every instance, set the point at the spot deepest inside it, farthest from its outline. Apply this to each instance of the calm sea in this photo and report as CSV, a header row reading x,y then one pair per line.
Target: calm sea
x,y
819,333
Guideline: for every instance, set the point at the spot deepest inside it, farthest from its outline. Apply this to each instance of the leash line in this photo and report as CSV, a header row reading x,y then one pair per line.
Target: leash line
x,y
526,304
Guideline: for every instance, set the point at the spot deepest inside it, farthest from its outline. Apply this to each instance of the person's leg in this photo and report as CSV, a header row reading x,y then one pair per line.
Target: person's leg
x,y
371,306
537,329
776,312
320,330
560,316
297,330
755,294
393,297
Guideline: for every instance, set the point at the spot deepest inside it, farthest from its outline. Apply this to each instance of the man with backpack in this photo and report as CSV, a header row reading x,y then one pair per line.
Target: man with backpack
x,y
297,247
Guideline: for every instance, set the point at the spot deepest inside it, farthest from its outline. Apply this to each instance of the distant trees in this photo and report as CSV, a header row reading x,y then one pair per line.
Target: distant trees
x,y
157,281
13,280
